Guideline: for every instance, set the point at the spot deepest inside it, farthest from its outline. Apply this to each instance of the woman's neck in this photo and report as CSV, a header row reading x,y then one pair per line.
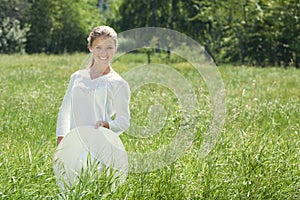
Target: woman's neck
x,y
97,71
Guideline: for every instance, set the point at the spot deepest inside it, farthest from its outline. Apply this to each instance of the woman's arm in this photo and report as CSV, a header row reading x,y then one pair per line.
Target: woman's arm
x,y
64,114
121,99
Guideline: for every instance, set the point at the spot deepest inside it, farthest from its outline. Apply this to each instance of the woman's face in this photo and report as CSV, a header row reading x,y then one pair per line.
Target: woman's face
x,y
103,50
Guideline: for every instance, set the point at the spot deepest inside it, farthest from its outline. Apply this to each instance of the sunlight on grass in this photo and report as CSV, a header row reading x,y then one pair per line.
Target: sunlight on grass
x,y
256,156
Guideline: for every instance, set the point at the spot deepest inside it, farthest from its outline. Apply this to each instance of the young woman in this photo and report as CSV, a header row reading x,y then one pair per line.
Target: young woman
x,y
96,96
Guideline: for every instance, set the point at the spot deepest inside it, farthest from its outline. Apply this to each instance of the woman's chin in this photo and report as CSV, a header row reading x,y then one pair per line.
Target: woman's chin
x,y
103,62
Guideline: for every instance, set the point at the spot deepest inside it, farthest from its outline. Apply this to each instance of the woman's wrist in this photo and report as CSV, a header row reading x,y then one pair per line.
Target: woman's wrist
x,y
59,138
104,124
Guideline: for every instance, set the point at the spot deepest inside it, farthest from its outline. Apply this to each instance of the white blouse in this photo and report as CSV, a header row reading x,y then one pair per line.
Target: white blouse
x,y
87,101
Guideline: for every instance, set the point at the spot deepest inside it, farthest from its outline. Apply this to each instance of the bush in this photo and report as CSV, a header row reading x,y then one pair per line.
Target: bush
x,y
12,36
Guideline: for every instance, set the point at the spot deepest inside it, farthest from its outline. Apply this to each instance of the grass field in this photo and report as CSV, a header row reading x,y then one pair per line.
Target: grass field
x,y
256,155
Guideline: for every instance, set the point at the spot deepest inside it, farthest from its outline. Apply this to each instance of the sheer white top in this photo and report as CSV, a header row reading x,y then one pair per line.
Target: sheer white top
x,y
87,101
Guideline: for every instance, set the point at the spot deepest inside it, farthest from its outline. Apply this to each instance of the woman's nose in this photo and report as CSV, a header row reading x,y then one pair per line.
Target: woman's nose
x,y
103,52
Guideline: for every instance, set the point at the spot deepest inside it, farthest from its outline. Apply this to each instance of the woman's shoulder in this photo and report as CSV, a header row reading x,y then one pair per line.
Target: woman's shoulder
x,y
78,73
115,77
116,81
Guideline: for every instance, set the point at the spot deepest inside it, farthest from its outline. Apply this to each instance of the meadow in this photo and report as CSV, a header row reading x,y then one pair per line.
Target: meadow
x,y
256,155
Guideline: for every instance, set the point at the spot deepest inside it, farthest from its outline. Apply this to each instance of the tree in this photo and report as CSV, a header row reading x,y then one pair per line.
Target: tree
x,y
255,32
59,26
137,13
12,36
13,25
286,29
41,26
15,10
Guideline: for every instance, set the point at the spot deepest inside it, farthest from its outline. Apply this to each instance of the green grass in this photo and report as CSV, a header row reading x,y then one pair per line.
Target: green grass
x,y
256,156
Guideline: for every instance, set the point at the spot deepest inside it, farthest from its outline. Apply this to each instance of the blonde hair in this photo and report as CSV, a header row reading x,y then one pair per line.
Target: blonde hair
x,y
100,31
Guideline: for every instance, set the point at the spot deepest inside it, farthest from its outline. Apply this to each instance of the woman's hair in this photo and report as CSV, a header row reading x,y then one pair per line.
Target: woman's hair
x,y
100,31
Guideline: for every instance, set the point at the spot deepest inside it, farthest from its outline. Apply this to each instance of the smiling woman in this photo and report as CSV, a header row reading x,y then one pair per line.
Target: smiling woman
x,y
97,93
96,97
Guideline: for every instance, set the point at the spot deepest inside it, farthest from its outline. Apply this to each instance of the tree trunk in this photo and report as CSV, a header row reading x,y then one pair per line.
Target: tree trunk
x,y
149,56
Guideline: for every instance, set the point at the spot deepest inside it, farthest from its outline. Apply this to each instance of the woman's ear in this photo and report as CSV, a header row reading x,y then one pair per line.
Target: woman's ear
x,y
90,49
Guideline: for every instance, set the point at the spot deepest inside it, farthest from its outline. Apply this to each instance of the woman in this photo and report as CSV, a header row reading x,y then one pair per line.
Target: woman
x,y
96,96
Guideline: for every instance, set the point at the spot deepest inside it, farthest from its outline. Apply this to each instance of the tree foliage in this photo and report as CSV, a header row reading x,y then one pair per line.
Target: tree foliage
x,y
12,36
59,26
250,32
13,25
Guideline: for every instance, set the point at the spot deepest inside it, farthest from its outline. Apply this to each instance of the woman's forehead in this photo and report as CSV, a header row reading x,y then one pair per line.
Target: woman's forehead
x,y
103,40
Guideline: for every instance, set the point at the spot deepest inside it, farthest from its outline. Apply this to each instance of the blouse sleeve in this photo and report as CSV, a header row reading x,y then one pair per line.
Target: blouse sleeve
x,y
120,105
64,115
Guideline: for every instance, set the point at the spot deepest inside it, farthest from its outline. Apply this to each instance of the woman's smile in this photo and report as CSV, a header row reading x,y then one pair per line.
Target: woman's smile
x,y
103,58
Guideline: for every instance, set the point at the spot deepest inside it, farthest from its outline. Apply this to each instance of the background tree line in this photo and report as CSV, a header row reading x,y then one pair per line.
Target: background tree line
x,y
250,32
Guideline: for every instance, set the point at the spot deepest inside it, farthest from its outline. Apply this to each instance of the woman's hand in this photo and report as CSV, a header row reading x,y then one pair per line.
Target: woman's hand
x,y
59,138
102,124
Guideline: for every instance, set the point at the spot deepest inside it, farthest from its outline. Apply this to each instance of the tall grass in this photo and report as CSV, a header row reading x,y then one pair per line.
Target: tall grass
x,y
256,156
